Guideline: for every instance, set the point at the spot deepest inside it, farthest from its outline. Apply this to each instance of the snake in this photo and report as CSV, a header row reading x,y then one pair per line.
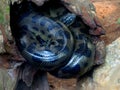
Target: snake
x,y
54,45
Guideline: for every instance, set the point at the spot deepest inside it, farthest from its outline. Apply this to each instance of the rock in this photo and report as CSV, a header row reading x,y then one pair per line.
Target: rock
x,y
39,2
6,82
107,76
2,50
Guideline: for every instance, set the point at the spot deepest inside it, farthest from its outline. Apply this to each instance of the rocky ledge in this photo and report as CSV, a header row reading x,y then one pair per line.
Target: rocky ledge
x,y
107,76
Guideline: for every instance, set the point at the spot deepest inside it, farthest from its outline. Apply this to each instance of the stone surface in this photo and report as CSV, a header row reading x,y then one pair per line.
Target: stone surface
x,y
1,44
108,13
107,76
6,82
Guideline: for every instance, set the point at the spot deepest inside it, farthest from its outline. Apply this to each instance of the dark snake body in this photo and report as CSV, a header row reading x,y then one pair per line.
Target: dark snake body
x,y
44,41
64,52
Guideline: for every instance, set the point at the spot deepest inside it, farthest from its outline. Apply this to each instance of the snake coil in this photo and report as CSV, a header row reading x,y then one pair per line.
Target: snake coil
x,y
50,43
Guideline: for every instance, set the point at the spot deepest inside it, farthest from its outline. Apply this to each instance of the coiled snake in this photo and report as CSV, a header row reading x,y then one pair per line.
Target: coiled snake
x,y
52,45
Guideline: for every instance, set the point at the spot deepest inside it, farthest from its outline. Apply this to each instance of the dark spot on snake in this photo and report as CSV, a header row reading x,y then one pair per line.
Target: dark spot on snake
x,y
35,28
42,31
87,52
42,23
53,43
31,37
49,36
50,27
35,18
40,40
81,48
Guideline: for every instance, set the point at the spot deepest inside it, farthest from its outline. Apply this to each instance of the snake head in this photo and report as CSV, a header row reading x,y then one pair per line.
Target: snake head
x,y
68,19
86,10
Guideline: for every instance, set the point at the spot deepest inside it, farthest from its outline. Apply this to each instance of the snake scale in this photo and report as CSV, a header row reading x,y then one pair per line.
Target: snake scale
x,y
51,43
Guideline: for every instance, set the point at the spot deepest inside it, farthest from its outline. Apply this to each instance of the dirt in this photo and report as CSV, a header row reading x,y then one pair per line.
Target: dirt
x,y
108,12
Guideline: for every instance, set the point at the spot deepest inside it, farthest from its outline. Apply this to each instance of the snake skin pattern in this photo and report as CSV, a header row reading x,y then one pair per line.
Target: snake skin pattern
x,y
44,41
54,44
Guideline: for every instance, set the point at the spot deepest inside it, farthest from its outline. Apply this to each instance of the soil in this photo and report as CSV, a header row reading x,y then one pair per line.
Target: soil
x,y
108,11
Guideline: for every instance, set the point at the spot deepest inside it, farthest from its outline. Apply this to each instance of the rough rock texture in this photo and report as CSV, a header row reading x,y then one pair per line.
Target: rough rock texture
x,y
1,44
107,76
108,13
6,82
